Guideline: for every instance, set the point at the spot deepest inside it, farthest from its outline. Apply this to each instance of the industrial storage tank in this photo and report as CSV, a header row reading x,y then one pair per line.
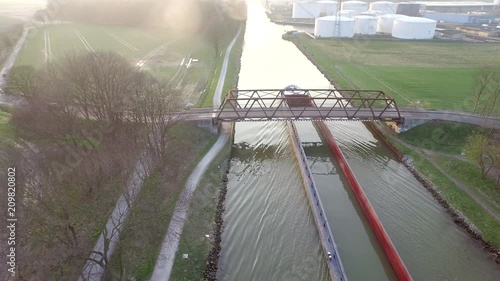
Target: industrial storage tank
x,y
385,7
347,13
328,8
371,13
365,25
409,9
306,10
386,22
357,6
414,28
333,26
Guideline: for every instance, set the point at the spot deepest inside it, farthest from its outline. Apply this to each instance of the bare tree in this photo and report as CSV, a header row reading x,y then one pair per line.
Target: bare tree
x,y
487,91
480,150
100,84
21,82
153,107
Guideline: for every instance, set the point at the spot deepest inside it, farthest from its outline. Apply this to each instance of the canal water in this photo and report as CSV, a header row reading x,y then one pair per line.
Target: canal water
x,y
269,233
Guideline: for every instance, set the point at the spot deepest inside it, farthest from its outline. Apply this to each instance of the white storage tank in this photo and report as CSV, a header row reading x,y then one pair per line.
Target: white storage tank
x,y
386,22
328,8
371,13
332,26
414,28
306,10
385,7
357,6
365,25
347,13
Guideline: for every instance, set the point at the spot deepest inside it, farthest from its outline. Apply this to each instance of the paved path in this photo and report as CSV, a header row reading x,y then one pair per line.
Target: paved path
x,y
222,76
165,260
111,235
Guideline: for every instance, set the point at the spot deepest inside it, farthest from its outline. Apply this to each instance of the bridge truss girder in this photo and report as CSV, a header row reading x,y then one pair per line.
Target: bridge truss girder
x,y
329,104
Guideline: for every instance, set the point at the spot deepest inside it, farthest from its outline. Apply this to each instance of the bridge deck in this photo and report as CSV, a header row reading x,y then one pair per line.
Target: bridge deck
x,y
313,113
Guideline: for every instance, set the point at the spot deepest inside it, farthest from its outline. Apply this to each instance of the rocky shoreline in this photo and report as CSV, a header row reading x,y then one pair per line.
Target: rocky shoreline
x,y
212,264
459,219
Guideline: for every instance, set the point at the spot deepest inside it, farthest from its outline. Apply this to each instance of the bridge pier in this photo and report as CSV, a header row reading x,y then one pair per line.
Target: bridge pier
x,y
209,124
408,124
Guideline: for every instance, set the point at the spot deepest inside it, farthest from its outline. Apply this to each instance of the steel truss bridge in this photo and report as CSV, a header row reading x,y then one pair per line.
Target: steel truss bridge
x,y
329,104
314,104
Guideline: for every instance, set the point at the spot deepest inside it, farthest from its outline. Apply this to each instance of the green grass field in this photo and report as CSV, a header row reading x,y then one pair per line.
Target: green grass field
x,y
132,43
162,50
431,74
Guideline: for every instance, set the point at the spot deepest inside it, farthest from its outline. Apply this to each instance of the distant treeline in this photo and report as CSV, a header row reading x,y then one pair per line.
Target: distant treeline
x,y
143,12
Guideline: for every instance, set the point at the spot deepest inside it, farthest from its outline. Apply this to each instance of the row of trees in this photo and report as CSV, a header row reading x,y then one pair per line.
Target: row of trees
x,y
89,89
92,116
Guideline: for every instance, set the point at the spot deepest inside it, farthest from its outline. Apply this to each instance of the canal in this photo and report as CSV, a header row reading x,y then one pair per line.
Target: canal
x,y
269,232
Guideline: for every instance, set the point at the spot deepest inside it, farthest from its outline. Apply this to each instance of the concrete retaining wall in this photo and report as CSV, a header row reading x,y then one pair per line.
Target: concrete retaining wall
x,y
382,237
334,263
382,135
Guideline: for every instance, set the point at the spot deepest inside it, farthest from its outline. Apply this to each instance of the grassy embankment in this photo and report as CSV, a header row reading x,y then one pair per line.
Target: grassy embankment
x,y
457,198
436,74
439,75
200,222
446,140
150,216
233,68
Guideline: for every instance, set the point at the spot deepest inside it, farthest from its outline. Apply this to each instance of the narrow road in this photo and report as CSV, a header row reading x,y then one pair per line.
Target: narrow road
x,y
165,260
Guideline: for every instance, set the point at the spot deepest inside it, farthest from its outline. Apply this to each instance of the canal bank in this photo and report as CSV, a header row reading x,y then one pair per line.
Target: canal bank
x,y
413,166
